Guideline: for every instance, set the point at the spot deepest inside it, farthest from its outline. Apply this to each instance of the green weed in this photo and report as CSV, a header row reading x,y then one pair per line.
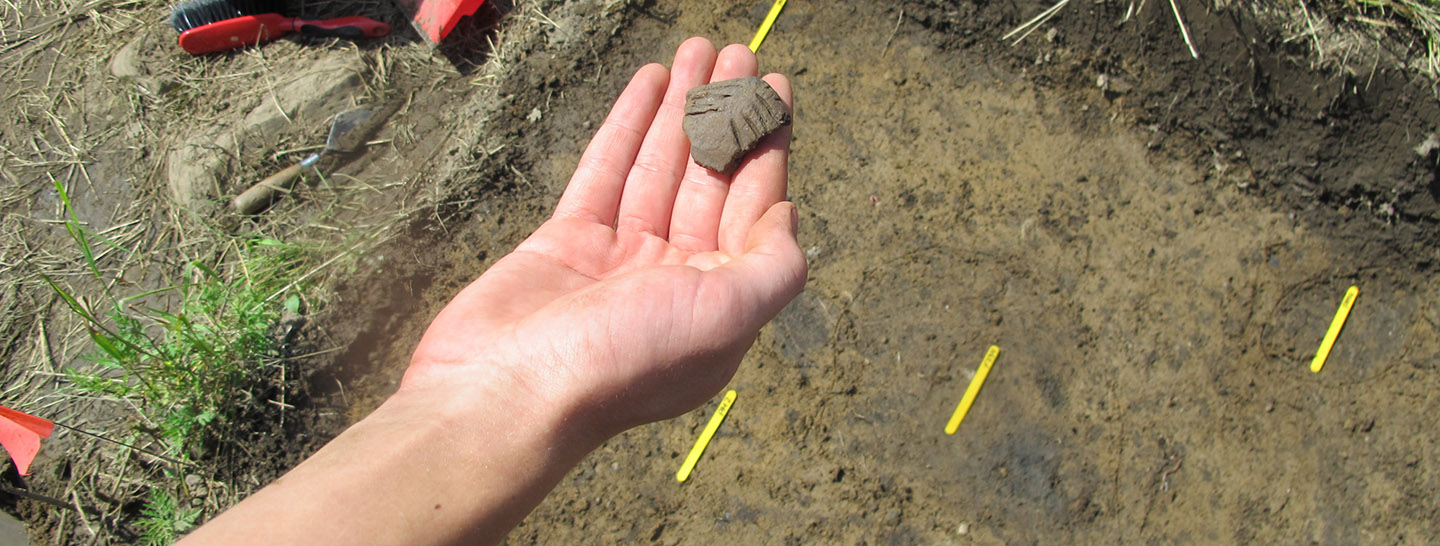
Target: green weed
x,y
188,366
185,356
162,521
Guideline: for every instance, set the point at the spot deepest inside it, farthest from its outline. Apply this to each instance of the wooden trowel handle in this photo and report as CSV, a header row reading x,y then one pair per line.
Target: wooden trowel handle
x,y
264,193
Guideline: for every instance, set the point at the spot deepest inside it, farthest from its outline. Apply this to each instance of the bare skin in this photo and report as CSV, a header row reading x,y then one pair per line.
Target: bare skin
x,y
633,303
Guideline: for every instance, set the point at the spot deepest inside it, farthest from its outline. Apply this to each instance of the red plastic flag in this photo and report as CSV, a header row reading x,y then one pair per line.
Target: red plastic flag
x,y
20,433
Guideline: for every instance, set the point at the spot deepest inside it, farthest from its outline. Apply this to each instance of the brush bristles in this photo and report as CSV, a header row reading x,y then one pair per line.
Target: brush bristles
x,y
194,13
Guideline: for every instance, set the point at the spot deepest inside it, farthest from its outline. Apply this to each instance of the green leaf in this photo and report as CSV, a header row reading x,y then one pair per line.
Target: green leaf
x,y
162,521
108,346
76,230
209,271
74,305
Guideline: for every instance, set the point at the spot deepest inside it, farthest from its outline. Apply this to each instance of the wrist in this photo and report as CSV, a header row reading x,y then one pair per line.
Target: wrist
x,y
498,404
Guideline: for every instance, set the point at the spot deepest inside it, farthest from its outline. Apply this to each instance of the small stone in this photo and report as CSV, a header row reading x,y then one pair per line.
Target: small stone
x,y
963,529
196,487
892,518
726,119
1430,144
127,64
12,530
1113,84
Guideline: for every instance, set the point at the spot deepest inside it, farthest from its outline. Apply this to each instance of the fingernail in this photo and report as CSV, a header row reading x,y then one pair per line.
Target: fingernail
x,y
794,218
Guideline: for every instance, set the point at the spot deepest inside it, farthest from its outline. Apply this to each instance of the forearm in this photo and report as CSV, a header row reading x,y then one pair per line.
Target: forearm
x,y
427,467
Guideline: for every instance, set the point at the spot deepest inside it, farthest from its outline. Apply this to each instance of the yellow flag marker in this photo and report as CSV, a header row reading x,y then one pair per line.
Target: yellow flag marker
x,y
972,390
1334,331
705,436
765,26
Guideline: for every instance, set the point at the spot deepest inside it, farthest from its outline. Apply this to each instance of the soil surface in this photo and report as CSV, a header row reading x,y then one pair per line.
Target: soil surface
x,y
1157,257
1156,309
1157,260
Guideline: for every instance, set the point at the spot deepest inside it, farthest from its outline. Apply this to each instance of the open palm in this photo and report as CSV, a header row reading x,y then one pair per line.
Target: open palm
x,y
644,289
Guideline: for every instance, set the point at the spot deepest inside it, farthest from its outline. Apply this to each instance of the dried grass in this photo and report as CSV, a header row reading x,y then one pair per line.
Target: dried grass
x,y
1361,37
1423,16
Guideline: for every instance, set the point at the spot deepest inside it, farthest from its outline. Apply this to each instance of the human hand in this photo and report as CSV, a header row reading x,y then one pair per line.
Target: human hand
x,y
637,299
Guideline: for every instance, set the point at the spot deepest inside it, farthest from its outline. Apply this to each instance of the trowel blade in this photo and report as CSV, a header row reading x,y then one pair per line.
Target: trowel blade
x,y
346,134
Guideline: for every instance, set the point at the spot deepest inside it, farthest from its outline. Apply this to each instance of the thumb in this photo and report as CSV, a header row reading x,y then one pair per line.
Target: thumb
x,y
772,270
776,228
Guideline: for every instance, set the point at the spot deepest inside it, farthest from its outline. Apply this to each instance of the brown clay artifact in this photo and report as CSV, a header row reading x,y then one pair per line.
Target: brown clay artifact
x,y
727,119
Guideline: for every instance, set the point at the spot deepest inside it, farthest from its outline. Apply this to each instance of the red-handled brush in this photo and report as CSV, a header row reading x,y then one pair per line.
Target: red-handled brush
x,y
208,26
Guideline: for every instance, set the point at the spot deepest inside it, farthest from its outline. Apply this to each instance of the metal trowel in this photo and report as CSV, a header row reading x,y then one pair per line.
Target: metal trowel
x,y
347,134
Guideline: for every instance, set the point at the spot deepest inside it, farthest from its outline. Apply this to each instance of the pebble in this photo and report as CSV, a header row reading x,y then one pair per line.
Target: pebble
x,y
195,485
893,518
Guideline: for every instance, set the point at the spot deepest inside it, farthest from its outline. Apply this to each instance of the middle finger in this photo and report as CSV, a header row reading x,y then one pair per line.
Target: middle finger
x,y
649,195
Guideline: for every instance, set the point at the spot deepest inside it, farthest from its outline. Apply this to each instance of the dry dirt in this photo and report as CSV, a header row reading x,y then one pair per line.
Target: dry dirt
x,y
1157,260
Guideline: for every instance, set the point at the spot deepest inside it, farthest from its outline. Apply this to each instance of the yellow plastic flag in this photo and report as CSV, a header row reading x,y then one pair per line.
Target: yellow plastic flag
x,y
1334,332
973,390
705,436
765,26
